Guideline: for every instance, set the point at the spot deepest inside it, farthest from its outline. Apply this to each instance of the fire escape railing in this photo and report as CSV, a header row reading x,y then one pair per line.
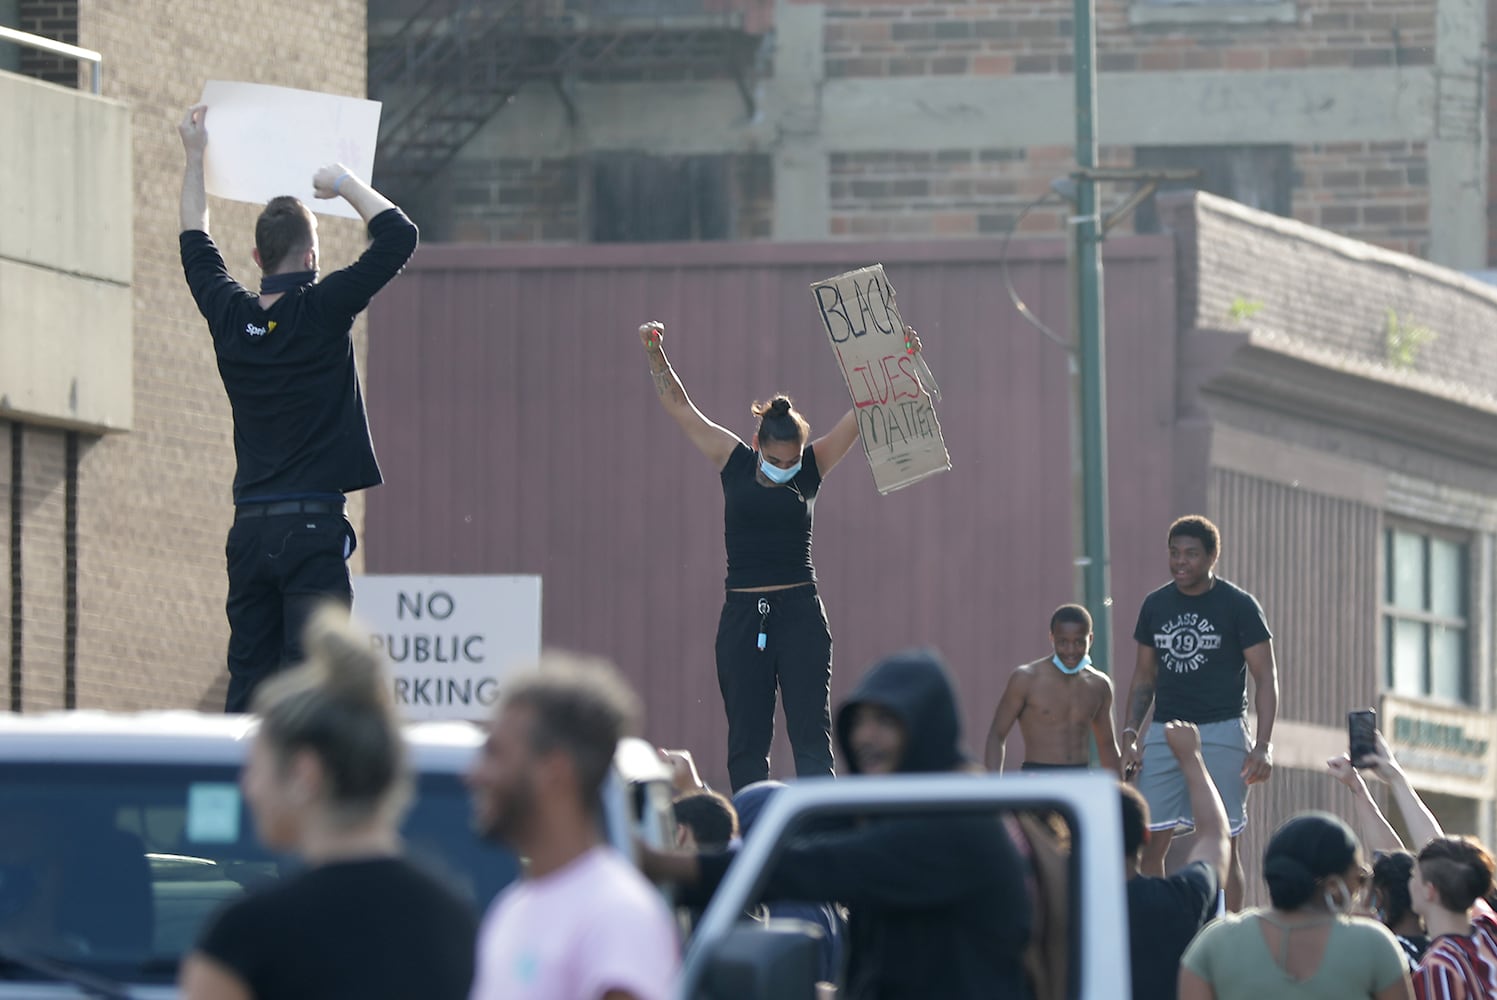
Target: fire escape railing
x,y
454,64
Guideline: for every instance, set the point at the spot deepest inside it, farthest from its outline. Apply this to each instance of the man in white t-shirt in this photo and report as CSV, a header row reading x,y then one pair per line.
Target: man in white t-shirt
x,y
582,923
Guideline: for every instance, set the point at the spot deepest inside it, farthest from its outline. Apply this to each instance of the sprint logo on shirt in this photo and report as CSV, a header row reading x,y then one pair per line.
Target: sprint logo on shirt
x,y
259,331
1184,642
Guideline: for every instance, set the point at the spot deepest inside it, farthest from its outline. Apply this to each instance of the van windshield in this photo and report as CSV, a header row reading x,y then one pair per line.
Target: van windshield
x,y
114,869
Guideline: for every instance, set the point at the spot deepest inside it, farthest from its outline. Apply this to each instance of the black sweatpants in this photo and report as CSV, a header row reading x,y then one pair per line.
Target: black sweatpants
x,y
797,657
280,569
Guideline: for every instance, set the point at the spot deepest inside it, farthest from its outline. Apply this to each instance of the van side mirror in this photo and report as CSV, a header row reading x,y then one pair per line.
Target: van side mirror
x,y
776,960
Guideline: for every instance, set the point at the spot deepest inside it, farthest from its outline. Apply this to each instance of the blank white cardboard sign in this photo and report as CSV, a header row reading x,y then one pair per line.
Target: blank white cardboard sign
x,y
266,141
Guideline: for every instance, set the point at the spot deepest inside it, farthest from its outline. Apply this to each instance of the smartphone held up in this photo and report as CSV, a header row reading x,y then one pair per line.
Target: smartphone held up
x,y
1361,729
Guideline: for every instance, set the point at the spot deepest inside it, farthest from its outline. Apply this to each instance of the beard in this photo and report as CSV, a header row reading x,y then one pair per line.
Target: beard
x,y
507,813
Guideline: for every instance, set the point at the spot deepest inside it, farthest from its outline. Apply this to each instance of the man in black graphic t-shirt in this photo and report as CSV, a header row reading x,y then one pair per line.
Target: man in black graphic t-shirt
x,y
301,439
1198,638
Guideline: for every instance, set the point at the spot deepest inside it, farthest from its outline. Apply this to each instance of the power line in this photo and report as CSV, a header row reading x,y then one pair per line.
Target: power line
x,y
1008,281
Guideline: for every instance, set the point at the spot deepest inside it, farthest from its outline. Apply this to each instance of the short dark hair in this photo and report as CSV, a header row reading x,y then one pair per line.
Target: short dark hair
x,y
285,227
709,816
1459,868
1135,819
1390,876
580,706
1073,613
1196,526
779,420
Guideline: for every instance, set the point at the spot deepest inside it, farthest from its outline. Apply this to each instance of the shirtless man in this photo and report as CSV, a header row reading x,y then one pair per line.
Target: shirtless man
x,y
1055,700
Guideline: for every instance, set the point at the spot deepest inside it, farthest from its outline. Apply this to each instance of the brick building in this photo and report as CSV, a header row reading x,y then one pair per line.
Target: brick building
x,y
866,119
115,452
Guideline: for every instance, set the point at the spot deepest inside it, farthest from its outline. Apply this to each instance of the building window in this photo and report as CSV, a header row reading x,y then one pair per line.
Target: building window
x,y
1425,591
1257,176
645,199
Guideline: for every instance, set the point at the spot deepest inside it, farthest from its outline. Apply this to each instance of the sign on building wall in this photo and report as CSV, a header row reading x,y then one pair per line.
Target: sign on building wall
x,y
451,640
1448,750
896,420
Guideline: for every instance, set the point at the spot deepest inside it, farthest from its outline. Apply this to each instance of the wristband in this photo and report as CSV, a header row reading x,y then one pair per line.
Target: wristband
x,y
341,178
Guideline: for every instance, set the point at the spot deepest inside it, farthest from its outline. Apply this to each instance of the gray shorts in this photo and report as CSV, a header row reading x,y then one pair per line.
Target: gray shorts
x,y
1224,745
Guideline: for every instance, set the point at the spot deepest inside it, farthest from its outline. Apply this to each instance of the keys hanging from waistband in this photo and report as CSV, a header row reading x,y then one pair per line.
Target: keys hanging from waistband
x,y
763,623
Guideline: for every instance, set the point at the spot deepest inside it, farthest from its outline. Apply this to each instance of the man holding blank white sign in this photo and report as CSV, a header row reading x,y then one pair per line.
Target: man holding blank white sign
x,y
301,438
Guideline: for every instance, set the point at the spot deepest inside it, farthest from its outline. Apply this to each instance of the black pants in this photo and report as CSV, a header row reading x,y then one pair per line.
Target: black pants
x,y
797,656
280,569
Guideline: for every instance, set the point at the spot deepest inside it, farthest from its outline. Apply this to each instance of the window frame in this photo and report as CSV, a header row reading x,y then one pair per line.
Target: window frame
x,y
1271,163
711,200
1389,614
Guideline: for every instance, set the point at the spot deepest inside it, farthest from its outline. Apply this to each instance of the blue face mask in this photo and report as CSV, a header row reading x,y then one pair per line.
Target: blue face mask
x,y
777,475
1086,661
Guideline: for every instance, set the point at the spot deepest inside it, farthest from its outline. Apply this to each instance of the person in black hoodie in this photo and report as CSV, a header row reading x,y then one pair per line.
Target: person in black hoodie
x,y
937,903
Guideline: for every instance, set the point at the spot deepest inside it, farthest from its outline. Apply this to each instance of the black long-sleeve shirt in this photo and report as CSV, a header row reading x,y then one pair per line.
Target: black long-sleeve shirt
x,y
299,421
938,905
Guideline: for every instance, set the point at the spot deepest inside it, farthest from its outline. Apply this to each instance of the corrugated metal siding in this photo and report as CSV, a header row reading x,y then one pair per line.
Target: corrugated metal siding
x,y
1311,560
1291,791
519,432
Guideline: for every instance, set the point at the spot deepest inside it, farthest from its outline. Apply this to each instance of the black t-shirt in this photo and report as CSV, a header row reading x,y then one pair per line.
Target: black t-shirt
x,y
938,906
299,423
767,530
1164,914
1413,948
1199,642
360,930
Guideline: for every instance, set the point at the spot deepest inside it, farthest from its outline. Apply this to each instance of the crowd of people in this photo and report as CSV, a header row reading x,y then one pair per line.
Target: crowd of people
x,y
959,905
949,906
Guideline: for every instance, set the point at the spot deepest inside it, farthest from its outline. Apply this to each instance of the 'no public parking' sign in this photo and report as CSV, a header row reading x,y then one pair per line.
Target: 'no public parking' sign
x,y
451,640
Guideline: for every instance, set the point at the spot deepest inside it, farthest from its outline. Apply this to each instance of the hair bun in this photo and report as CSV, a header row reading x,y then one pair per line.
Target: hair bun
x,y
778,407
1290,882
353,670
1286,867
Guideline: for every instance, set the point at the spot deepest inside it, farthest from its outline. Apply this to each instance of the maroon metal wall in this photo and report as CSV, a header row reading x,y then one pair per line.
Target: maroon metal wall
x,y
520,433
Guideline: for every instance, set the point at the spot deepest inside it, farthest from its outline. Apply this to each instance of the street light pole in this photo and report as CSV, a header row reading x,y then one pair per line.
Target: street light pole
x,y
1086,236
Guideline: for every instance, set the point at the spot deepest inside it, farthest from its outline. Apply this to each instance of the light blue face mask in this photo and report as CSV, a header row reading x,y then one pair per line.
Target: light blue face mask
x,y
777,475
1086,661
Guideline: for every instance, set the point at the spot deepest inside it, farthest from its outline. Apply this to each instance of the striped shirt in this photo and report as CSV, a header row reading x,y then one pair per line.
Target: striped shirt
x,y
1460,966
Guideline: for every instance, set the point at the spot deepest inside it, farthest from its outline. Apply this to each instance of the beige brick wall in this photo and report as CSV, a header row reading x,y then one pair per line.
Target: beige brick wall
x,y
43,567
154,504
6,621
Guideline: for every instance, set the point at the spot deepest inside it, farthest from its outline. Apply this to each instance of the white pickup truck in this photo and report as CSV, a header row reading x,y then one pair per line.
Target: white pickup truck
x,y
734,958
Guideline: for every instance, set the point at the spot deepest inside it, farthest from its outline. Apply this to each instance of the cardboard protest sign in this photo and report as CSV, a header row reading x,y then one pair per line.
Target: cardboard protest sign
x,y
889,386
266,141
